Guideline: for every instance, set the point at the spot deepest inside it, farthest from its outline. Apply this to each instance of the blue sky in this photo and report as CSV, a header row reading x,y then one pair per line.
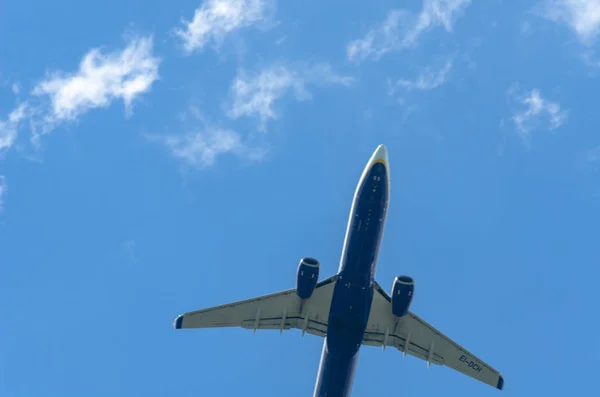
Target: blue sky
x,y
157,159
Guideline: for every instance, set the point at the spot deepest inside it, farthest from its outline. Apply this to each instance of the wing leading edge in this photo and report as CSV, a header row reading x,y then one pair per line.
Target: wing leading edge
x,y
412,335
279,311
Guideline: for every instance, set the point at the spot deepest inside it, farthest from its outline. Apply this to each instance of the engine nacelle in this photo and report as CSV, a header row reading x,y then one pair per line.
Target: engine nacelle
x,y
308,275
402,294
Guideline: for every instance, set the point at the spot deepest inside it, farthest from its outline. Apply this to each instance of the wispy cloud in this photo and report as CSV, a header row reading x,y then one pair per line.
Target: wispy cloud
x,y
429,79
591,169
9,129
215,19
16,88
402,29
201,147
252,95
255,95
535,112
582,16
593,156
101,79
129,247
2,191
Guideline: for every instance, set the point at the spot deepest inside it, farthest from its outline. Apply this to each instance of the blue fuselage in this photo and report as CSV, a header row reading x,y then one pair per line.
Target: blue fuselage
x,y
353,294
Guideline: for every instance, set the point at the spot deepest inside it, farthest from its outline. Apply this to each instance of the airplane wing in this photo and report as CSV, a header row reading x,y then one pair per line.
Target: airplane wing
x,y
412,335
278,311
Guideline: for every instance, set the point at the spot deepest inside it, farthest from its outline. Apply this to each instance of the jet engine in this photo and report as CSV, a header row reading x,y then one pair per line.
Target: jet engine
x,y
308,275
402,294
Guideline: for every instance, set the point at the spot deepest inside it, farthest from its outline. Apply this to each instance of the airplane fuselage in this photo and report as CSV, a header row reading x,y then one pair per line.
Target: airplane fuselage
x,y
353,293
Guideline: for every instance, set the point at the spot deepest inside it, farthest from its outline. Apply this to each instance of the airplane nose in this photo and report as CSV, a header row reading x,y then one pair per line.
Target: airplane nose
x,y
381,153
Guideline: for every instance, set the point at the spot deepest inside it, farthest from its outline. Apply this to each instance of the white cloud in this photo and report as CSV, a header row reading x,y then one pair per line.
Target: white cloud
x,y
583,16
427,80
255,95
101,79
401,29
534,111
214,19
2,191
201,147
9,129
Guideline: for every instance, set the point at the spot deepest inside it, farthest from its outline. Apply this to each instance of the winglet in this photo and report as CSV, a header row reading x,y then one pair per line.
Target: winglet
x,y
500,385
178,321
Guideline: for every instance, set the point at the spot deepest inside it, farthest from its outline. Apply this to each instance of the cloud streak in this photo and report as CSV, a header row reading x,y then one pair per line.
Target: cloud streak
x,y
255,95
215,19
593,156
429,79
129,247
9,129
2,191
401,29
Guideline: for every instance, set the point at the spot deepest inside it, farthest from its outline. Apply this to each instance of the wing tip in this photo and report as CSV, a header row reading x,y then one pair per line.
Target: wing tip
x,y
500,385
178,322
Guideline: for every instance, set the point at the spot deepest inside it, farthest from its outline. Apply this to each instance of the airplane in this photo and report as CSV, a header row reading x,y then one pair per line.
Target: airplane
x,y
350,309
